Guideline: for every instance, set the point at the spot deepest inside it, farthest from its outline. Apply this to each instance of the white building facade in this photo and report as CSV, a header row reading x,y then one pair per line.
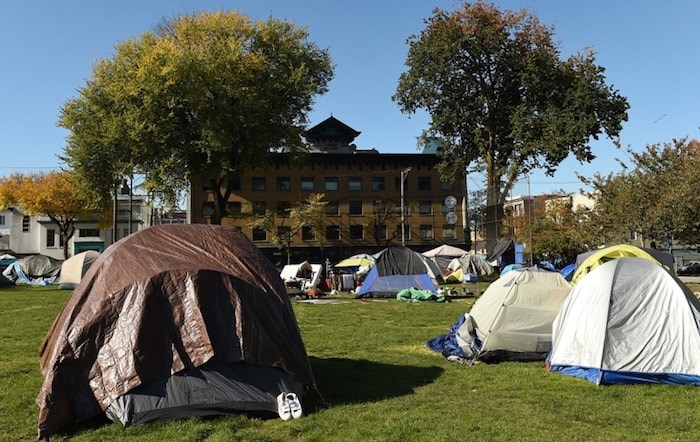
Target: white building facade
x,y
24,235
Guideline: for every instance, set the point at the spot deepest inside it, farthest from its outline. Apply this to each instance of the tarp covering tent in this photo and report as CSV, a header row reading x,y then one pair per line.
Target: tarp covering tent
x,y
503,253
399,268
165,305
443,255
5,261
512,320
35,270
73,268
628,321
590,260
469,264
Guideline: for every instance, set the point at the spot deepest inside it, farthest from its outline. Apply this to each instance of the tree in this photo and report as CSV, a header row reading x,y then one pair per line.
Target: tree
x,y
557,231
499,95
656,196
53,194
383,213
208,96
310,213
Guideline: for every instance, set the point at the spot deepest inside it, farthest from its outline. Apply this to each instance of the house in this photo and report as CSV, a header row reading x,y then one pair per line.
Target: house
x,y
358,185
26,235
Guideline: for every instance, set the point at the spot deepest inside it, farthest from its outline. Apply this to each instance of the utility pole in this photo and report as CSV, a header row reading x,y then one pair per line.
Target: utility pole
x,y
403,212
529,216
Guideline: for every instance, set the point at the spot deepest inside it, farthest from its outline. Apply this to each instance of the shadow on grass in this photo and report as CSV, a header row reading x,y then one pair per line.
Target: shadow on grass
x,y
343,381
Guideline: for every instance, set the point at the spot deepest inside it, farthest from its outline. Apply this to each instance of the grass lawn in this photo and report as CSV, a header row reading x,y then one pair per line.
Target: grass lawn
x,y
377,382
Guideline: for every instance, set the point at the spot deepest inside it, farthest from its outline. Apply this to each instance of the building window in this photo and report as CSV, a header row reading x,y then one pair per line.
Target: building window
x,y
259,208
283,184
448,232
259,235
283,208
2,220
446,186
378,184
426,231
259,184
355,207
380,232
307,234
332,208
85,233
331,184
207,209
50,238
356,232
424,183
25,223
355,184
125,232
234,208
425,207
307,184
235,184
332,233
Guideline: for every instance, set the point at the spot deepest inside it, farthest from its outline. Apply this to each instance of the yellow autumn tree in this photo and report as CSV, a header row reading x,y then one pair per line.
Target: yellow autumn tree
x,y
51,194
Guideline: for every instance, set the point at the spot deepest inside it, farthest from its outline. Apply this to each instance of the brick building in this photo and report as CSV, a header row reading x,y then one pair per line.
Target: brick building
x,y
358,184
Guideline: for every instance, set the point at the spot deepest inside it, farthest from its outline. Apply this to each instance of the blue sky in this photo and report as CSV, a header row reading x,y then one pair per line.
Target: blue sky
x,y
649,49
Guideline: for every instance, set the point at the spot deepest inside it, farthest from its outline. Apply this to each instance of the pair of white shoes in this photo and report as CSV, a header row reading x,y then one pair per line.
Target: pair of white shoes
x,y
288,406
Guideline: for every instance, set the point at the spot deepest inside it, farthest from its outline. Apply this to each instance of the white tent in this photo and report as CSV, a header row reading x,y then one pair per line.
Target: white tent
x,y
442,255
301,277
512,320
73,269
628,321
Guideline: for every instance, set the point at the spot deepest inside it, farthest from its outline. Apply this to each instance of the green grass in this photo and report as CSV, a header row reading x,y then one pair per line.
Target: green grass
x,y
377,382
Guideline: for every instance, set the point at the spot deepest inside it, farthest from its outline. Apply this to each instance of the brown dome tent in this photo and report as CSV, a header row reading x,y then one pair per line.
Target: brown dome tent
x,y
172,321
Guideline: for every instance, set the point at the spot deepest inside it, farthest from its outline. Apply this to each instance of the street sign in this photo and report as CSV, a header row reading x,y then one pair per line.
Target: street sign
x,y
451,218
450,202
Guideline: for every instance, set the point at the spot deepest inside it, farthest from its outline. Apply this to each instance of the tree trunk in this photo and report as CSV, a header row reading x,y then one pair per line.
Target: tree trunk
x,y
494,210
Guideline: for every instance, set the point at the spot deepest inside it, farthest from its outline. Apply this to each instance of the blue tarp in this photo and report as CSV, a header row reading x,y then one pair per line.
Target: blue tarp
x,y
568,272
447,344
16,274
606,377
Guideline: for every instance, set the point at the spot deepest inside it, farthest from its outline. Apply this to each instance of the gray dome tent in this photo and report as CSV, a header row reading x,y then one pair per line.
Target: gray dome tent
x,y
172,321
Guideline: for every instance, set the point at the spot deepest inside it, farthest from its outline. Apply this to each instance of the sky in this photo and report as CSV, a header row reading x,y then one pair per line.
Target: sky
x,y
650,51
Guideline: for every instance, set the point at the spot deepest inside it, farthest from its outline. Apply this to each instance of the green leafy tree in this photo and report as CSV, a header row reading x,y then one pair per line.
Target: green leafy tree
x,y
557,231
51,194
207,96
309,213
656,196
500,96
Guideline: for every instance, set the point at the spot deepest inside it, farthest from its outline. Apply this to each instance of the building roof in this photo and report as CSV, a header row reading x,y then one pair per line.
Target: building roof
x,y
332,129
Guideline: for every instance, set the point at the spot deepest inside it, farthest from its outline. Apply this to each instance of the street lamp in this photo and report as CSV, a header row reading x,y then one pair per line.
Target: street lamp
x,y
403,212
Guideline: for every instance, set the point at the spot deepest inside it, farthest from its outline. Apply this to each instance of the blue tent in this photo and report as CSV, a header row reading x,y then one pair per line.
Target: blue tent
x,y
398,268
510,267
568,271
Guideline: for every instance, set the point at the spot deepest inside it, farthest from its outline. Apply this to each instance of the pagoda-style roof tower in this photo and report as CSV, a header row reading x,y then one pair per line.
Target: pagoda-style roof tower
x,y
332,135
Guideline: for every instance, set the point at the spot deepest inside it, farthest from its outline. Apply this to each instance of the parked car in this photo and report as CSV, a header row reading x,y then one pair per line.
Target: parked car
x,y
690,269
